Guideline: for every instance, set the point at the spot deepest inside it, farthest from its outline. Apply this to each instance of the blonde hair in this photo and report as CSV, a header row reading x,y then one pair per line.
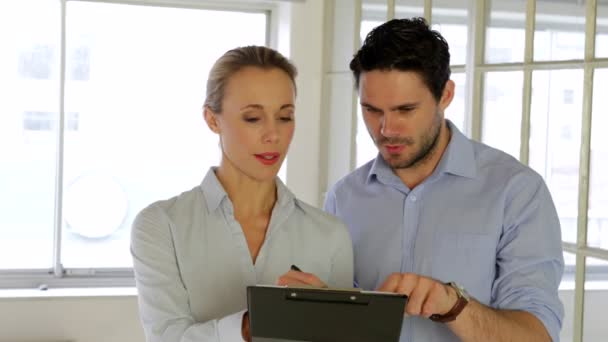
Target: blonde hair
x,y
236,59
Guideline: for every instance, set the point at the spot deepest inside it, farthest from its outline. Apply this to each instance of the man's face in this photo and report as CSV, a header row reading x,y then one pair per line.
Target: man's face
x,y
401,114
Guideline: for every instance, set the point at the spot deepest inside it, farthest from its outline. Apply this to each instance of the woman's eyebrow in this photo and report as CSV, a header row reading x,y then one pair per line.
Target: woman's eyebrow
x,y
253,106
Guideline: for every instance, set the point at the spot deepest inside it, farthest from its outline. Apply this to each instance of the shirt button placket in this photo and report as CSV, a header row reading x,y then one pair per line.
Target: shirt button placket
x,y
412,217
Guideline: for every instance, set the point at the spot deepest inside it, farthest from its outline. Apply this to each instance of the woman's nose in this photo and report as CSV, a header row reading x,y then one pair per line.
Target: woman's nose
x,y
271,133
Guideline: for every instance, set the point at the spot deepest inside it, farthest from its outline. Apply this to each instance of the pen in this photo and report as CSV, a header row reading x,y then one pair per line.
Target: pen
x,y
295,268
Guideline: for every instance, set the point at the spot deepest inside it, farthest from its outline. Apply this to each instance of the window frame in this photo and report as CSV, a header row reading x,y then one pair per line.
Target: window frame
x,y
59,276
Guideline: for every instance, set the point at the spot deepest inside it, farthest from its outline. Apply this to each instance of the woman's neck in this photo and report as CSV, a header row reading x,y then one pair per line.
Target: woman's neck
x,y
250,197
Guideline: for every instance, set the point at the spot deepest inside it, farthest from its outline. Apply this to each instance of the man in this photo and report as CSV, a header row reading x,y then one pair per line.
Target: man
x,y
437,215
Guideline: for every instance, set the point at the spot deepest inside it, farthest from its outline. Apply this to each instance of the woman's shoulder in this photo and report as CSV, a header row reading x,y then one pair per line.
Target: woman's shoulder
x,y
174,206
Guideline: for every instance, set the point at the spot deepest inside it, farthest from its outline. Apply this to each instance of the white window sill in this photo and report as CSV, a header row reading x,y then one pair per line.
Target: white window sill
x,y
69,292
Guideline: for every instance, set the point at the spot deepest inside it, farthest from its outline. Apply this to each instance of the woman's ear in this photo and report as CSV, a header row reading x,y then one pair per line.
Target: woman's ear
x,y
211,119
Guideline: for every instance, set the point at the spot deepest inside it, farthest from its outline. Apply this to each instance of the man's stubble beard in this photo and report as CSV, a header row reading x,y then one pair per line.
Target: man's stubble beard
x,y
426,151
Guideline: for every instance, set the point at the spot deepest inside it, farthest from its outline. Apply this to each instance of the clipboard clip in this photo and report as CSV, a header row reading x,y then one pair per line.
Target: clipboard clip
x,y
343,298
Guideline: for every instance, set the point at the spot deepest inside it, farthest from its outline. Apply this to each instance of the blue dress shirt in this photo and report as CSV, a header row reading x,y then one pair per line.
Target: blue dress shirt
x,y
482,219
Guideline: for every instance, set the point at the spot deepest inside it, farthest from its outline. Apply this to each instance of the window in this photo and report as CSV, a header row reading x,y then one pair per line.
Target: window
x,y
540,80
132,97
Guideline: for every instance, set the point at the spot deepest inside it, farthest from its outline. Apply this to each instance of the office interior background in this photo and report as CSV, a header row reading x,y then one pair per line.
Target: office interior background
x,y
100,115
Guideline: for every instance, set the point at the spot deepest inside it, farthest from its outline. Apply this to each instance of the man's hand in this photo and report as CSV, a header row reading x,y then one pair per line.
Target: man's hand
x,y
300,278
426,296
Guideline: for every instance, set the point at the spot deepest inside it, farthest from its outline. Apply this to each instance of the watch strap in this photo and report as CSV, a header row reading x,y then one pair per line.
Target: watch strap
x,y
451,315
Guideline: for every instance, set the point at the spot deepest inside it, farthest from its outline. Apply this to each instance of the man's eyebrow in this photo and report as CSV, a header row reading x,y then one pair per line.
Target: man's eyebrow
x,y
365,104
408,105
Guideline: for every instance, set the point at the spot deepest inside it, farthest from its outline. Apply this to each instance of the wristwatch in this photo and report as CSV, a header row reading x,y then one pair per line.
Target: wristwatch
x,y
463,300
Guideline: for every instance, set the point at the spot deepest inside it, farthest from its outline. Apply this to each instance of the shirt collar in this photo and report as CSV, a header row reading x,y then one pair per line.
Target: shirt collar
x,y
459,156
382,172
214,191
458,159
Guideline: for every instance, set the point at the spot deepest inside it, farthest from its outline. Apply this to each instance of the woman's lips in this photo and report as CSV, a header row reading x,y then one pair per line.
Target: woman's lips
x,y
268,158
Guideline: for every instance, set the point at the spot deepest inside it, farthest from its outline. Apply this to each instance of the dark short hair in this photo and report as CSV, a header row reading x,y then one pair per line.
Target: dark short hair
x,y
233,61
406,45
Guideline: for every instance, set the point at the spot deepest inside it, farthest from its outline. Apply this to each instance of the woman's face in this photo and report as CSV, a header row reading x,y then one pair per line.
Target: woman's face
x,y
257,121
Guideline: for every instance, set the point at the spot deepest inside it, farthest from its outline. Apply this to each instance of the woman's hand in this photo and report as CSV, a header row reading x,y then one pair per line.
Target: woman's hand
x,y
300,278
245,327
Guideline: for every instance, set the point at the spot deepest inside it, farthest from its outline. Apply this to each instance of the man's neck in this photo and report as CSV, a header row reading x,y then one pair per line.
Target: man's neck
x,y
413,176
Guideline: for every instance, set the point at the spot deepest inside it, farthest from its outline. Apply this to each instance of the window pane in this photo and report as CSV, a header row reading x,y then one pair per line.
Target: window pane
x,y
373,13
560,31
456,111
366,149
366,27
502,103
29,67
450,19
597,224
601,41
566,295
555,139
138,93
596,300
505,34
409,8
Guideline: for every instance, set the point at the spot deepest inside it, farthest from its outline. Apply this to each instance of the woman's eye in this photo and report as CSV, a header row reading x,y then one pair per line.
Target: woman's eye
x,y
286,118
252,119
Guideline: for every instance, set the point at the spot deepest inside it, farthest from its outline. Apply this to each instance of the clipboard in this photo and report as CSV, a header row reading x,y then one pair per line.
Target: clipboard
x,y
294,314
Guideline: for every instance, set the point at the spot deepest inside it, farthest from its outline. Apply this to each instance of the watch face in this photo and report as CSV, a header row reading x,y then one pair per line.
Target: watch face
x,y
461,291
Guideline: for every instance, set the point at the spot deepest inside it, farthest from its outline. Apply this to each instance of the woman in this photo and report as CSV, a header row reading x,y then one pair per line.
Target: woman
x,y
195,254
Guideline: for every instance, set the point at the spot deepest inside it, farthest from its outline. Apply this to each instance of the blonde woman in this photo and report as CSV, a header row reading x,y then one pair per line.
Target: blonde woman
x,y
194,254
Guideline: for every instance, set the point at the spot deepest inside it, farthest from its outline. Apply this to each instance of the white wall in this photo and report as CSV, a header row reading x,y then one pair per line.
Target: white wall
x,y
306,51
74,319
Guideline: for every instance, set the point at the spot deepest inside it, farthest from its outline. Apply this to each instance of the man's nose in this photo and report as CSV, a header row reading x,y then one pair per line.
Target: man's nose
x,y
390,125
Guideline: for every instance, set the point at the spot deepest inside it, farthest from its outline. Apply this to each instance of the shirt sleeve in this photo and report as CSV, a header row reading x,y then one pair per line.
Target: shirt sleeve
x,y
164,305
529,256
330,202
342,268
342,274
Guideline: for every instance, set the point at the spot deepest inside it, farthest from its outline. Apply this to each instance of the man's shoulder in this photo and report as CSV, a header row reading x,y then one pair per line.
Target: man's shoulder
x,y
493,162
316,215
355,179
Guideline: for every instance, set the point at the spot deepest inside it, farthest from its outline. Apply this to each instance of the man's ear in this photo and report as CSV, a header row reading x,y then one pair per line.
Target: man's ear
x,y
448,95
211,119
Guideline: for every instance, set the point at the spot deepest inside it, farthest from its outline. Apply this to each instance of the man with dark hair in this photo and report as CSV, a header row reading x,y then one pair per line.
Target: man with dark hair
x,y
466,231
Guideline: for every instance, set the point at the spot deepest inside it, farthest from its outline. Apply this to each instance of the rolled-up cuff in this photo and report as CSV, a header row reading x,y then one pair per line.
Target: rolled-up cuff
x,y
229,327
